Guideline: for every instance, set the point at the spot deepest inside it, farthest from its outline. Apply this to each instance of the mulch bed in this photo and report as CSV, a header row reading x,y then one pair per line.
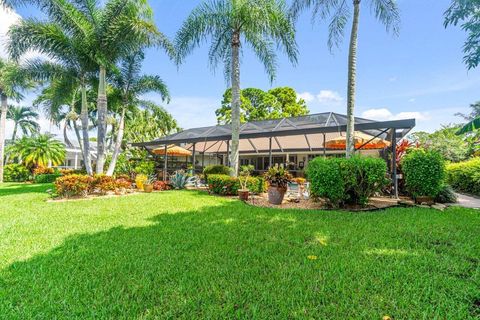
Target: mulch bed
x,y
376,203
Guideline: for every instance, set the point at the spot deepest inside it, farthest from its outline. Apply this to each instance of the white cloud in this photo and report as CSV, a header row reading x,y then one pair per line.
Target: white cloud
x,y
383,114
307,96
329,97
7,17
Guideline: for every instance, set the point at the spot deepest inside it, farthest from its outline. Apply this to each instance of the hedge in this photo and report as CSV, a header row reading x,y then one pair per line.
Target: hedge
x,y
464,176
47,177
346,181
216,169
424,172
223,184
15,173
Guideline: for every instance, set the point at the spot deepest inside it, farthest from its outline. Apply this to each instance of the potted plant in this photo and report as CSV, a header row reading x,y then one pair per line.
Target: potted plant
x,y
243,178
278,178
148,184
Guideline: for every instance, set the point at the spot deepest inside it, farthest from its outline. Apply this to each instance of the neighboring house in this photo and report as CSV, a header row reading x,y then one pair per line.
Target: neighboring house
x,y
73,158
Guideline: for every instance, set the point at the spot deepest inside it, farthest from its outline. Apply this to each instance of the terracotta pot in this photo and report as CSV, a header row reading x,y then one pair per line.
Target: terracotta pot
x,y
243,195
148,188
424,199
276,194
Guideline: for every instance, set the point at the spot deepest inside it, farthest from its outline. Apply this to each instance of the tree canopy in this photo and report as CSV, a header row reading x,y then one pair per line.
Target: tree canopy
x,y
466,14
261,105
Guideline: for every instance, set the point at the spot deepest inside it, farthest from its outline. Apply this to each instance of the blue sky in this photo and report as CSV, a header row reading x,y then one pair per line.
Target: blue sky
x,y
418,74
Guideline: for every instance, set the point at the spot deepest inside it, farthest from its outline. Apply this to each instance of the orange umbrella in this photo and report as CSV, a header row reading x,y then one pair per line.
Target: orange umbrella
x,y
361,140
174,151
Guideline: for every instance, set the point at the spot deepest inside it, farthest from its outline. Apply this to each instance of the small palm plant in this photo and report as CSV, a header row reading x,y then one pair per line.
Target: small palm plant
x,y
39,150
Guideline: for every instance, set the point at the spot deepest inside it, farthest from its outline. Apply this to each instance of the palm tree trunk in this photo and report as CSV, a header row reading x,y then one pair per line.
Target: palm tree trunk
x,y
3,123
352,75
118,144
102,119
14,135
235,103
65,135
86,141
79,139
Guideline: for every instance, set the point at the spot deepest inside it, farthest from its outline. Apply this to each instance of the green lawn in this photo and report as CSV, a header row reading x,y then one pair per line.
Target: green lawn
x,y
189,255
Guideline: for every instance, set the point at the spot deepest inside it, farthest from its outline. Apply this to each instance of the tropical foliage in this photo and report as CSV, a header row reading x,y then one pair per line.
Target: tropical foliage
x,y
12,82
465,14
232,25
24,118
257,104
339,13
38,150
446,142
465,176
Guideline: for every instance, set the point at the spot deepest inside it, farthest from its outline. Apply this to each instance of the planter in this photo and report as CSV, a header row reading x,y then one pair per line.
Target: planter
x,y
243,194
424,199
148,188
276,194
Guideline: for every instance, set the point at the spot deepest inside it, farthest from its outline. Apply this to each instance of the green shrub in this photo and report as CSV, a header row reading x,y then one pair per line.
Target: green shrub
x,y
326,180
424,172
216,169
46,177
15,173
446,195
145,167
226,185
465,176
352,181
74,185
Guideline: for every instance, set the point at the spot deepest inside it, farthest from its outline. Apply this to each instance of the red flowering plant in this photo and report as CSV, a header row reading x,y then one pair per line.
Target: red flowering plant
x,y
74,185
161,185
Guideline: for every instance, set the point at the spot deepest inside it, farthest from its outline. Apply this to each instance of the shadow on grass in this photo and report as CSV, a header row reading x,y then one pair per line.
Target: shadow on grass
x,y
231,261
8,189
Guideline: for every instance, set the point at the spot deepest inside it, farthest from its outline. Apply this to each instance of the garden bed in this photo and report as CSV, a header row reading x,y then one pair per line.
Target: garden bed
x,y
376,203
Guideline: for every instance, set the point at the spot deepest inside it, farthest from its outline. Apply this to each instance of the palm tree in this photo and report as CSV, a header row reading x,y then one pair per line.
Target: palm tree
x,y
100,34
12,82
116,30
339,12
72,60
129,85
25,118
39,150
261,24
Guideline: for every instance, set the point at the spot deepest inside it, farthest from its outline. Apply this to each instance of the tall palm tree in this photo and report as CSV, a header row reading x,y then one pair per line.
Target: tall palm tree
x,y
12,82
72,62
339,12
129,84
39,150
105,33
25,118
260,24
117,29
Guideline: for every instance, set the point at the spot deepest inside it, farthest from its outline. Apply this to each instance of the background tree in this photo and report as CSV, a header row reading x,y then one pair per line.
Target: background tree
x,y
148,122
105,33
38,150
465,13
260,105
339,12
129,85
12,82
445,141
24,118
260,24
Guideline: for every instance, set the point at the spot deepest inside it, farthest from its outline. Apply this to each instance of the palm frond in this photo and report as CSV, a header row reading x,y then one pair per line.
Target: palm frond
x,y
470,127
387,12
